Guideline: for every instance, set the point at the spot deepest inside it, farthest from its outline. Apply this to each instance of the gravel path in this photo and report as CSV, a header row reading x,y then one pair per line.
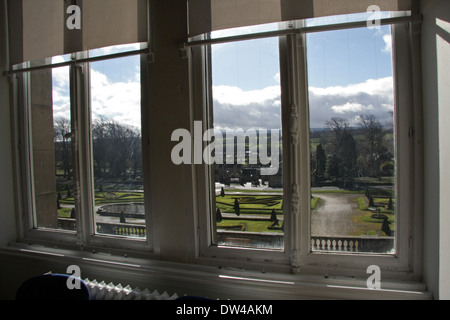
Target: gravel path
x,y
333,215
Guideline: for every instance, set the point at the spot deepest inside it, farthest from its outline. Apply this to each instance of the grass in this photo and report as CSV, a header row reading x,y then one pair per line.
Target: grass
x,y
64,212
250,204
362,205
338,191
367,219
118,197
253,191
314,202
109,197
249,225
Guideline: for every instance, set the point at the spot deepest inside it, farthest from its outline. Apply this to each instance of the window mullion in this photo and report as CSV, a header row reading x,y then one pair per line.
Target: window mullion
x,y
303,161
295,107
23,100
81,150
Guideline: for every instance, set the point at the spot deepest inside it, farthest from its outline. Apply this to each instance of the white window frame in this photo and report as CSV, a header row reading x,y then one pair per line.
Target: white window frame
x,y
209,253
85,236
297,256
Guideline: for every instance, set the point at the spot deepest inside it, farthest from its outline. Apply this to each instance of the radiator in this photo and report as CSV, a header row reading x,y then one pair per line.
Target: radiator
x,y
103,291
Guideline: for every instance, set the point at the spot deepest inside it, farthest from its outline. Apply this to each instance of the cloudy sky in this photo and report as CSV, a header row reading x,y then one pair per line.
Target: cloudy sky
x,y
115,87
349,73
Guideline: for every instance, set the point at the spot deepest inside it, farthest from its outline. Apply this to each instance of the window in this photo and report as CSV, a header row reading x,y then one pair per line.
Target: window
x,y
248,171
51,149
84,146
117,147
352,140
341,96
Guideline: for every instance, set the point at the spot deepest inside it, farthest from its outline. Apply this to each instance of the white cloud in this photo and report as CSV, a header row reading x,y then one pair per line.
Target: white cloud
x,y
236,96
277,78
387,38
236,108
351,107
60,91
374,96
120,101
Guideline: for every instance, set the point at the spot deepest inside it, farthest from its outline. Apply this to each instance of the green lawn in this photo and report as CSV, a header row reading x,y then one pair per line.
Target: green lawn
x,y
250,204
109,197
249,226
369,220
314,202
64,212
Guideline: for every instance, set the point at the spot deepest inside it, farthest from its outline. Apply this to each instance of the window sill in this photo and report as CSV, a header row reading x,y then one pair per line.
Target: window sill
x,y
201,280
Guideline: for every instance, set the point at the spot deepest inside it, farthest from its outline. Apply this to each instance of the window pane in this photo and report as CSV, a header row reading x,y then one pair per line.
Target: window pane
x,y
54,204
352,140
117,147
100,52
247,149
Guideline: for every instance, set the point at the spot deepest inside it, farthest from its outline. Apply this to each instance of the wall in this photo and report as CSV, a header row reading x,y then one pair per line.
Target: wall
x,y
169,110
436,98
7,217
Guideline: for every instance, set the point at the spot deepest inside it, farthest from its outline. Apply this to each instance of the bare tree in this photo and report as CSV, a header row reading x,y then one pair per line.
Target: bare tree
x,y
373,146
62,137
342,164
117,148
337,126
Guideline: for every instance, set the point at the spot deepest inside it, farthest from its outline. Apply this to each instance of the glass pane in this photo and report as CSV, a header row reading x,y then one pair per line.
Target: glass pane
x,y
347,18
116,49
247,149
352,140
51,156
117,147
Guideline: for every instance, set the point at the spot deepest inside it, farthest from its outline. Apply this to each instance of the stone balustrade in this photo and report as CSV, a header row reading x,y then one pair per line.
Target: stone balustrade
x,y
121,229
351,244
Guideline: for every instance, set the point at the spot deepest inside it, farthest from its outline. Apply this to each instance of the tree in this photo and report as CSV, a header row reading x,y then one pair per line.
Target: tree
x,y
344,155
117,148
273,216
62,137
218,215
385,226
222,192
333,167
373,146
236,207
348,156
321,163
337,126
371,202
122,218
390,204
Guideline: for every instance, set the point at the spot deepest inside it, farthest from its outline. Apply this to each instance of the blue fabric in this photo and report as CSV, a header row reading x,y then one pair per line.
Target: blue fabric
x,y
51,287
